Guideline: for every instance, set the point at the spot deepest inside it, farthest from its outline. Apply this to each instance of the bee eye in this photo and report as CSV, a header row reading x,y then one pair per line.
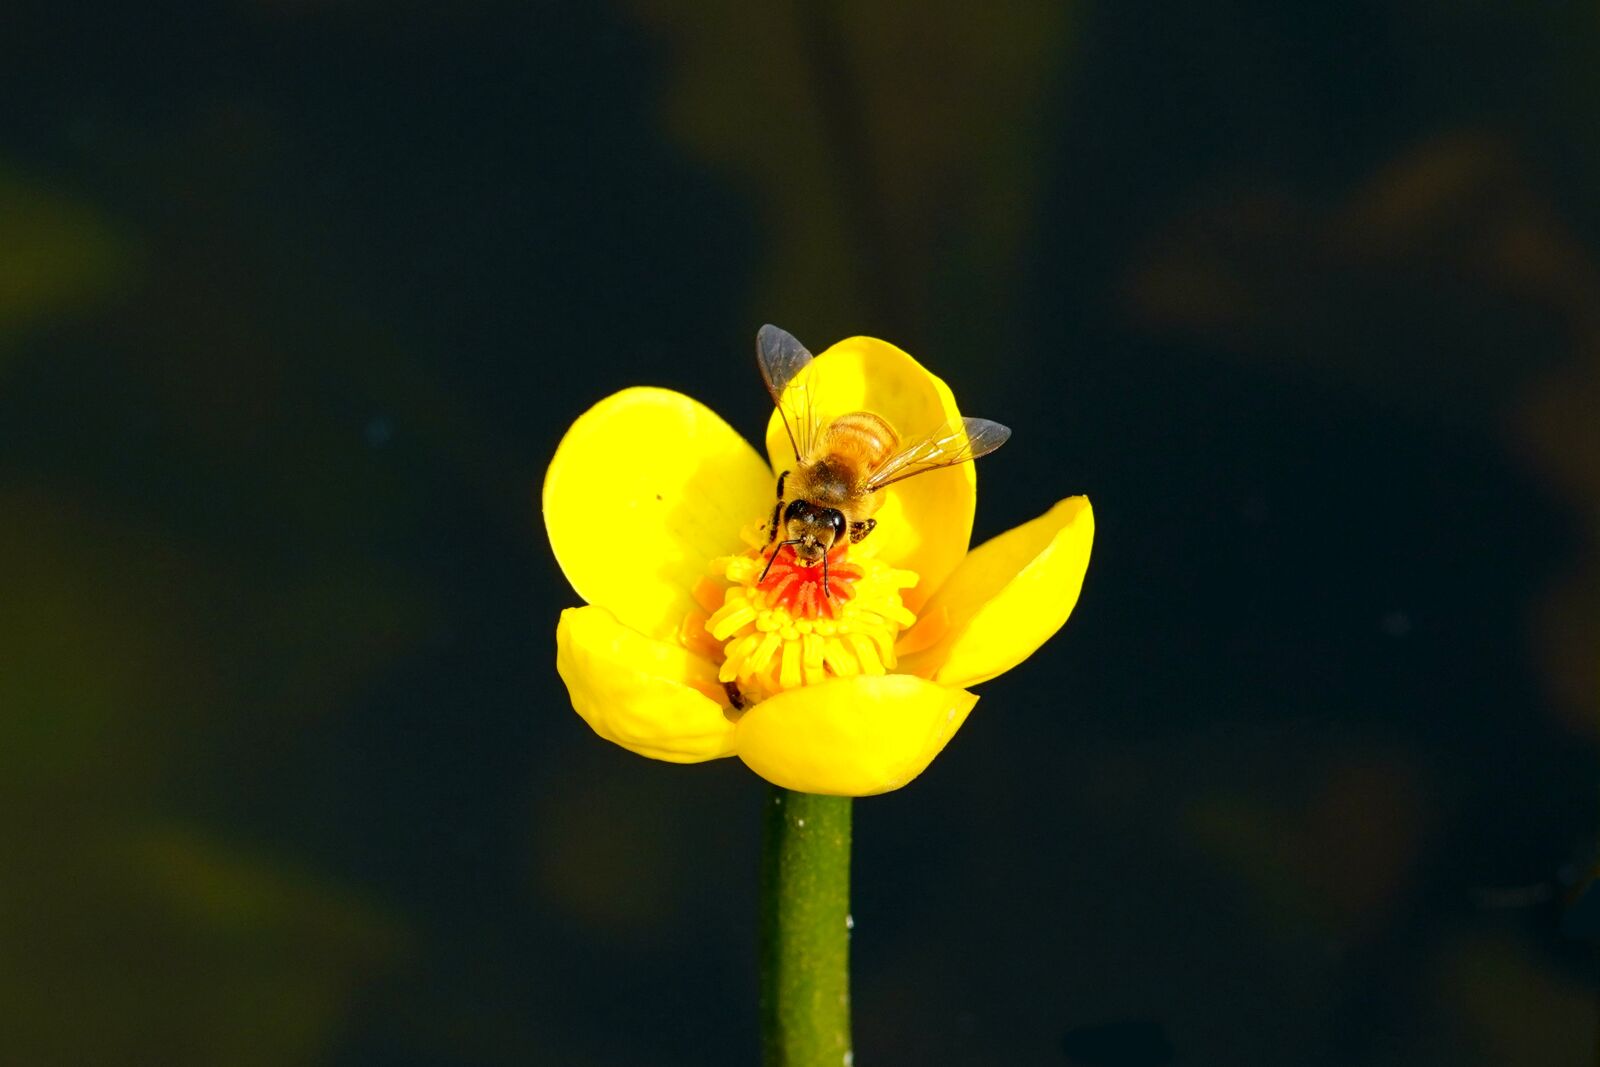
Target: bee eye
x,y
793,510
838,524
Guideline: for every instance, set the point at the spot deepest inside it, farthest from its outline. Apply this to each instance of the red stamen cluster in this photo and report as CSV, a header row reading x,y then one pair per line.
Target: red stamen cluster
x,y
799,589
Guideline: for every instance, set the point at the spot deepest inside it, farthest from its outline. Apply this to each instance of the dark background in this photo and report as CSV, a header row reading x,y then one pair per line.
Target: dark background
x,y
297,297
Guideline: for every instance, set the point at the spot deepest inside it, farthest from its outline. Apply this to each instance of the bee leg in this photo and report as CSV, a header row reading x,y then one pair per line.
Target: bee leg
x,y
772,527
777,510
859,530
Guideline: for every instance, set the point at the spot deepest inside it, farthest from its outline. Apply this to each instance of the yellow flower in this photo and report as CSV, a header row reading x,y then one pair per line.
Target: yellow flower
x,y
656,511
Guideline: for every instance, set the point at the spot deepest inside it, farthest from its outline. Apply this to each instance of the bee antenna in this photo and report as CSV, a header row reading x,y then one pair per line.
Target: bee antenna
x,y
825,591
774,556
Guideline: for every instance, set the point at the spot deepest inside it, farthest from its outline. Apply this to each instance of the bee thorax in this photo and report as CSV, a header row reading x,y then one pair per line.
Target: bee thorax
x,y
827,482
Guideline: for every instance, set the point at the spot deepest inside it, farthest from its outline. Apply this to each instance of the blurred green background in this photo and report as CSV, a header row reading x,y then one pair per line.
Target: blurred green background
x,y
297,296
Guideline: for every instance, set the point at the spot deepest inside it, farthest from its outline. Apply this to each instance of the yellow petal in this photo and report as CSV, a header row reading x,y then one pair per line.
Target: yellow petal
x,y
925,522
651,697
645,489
1007,598
851,736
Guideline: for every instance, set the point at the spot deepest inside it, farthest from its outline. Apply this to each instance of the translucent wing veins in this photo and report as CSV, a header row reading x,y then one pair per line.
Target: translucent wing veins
x,y
955,442
782,358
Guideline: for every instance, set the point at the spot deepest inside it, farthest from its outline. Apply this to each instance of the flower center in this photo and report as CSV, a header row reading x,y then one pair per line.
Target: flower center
x,y
810,592
774,627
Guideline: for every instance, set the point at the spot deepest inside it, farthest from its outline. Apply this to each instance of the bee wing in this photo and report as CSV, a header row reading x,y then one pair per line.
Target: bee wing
x,y
782,358
955,442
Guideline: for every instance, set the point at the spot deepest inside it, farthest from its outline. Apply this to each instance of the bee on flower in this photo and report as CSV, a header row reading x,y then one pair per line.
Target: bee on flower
x,y
843,466
828,638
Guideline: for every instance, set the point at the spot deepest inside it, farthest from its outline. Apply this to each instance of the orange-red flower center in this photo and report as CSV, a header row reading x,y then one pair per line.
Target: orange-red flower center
x,y
811,592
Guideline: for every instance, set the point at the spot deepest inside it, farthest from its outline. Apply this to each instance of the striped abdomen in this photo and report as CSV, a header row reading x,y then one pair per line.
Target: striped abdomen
x,y
858,443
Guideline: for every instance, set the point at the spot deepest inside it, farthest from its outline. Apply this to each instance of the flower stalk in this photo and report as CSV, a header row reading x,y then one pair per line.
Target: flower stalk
x,y
805,930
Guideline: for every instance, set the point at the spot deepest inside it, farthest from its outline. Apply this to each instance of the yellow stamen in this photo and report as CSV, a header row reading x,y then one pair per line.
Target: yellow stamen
x,y
786,630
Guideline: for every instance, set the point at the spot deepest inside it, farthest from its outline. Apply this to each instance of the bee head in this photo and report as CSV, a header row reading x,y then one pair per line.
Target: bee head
x,y
812,529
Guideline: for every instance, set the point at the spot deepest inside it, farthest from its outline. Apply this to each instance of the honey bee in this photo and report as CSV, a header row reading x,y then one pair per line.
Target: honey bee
x,y
842,467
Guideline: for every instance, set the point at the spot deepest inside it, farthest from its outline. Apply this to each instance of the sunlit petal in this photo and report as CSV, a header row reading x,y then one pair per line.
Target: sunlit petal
x,y
1006,599
852,736
647,487
651,697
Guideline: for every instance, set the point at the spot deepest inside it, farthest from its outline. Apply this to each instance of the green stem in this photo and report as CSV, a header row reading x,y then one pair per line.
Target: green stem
x,y
805,931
